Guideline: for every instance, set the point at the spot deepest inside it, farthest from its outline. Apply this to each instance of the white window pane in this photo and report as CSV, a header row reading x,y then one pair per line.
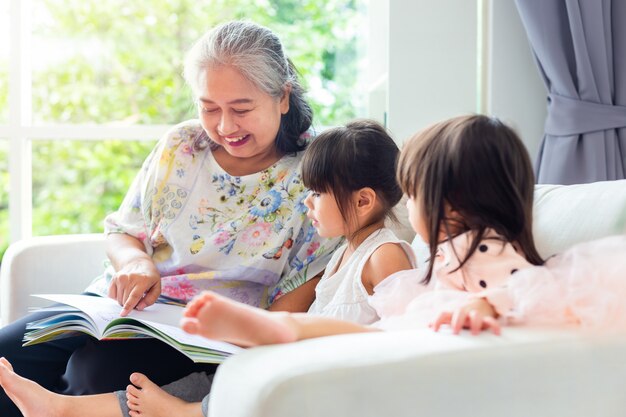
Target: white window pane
x,y
101,61
4,195
4,61
76,183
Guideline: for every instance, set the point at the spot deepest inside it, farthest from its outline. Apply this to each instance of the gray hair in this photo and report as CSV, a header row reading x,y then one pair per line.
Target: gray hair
x,y
257,54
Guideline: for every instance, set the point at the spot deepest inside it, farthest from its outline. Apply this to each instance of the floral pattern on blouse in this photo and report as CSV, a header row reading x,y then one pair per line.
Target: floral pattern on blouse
x,y
246,237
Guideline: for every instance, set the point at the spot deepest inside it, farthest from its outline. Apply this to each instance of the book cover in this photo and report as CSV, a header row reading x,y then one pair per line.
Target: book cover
x,y
99,317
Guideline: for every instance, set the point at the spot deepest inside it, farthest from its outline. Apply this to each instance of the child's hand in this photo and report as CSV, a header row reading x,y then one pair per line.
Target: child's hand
x,y
476,315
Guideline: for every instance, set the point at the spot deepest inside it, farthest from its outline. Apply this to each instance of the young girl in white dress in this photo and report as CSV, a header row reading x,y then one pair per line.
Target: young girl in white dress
x,y
470,185
351,171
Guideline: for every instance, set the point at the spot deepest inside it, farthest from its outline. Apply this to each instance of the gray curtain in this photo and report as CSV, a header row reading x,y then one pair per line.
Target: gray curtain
x,y
580,48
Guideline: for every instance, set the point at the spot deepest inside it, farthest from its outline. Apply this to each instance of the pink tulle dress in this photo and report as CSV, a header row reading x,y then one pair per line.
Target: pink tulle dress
x,y
586,285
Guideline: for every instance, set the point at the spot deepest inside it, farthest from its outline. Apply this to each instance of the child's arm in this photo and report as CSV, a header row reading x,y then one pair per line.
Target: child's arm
x,y
386,260
476,315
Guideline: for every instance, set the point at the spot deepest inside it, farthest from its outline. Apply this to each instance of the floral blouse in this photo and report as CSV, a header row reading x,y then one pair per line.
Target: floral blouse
x,y
246,237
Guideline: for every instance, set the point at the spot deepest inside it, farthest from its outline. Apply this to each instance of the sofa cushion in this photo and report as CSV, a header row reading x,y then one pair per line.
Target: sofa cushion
x,y
568,214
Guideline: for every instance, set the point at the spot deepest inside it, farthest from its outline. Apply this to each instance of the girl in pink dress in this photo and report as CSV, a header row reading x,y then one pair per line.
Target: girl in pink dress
x,y
470,187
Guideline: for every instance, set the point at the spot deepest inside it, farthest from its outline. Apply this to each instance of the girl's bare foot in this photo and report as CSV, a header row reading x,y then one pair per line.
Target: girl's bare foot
x,y
216,317
31,398
146,399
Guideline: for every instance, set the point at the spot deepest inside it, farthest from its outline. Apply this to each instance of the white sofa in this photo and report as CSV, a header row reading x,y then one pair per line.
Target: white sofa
x,y
525,372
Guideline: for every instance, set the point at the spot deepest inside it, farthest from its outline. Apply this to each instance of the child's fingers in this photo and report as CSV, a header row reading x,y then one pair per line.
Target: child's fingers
x,y
493,324
443,318
459,318
476,322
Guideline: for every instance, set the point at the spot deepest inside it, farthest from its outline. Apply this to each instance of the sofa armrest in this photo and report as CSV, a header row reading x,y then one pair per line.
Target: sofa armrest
x,y
47,264
524,372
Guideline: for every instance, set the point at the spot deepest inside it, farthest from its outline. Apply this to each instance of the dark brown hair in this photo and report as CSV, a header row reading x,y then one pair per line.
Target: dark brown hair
x,y
345,159
480,167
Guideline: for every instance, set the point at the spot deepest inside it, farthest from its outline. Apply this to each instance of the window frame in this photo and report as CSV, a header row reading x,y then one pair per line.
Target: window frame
x,y
21,132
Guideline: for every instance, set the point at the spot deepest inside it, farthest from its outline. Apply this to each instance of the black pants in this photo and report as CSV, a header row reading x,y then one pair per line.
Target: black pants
x,y
81,365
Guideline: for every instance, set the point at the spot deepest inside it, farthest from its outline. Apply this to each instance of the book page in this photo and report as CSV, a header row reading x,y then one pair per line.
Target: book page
x,y
101,310
104,310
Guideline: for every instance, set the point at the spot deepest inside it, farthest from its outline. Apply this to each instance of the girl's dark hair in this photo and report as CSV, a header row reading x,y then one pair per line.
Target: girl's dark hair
x,y
258,55
342,160
480,167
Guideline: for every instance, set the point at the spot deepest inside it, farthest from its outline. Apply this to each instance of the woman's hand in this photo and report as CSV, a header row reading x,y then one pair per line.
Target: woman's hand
x,y
477,315
136,285
137,282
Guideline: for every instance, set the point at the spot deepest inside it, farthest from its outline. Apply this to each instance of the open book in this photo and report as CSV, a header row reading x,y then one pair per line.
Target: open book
x,y
100,318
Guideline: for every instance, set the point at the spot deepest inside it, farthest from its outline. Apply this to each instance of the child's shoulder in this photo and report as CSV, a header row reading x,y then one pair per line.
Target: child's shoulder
x,y
389,252
386,243
389,256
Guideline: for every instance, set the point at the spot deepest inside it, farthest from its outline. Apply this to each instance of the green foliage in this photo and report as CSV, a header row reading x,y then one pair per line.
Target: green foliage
x,y
119,61
89,184
128,55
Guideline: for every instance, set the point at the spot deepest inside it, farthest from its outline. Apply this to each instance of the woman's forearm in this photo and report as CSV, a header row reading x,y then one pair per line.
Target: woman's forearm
x,y
121,249
136,282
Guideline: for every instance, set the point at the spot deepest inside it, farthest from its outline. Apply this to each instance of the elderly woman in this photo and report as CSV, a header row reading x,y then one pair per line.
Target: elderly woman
x,y
217,205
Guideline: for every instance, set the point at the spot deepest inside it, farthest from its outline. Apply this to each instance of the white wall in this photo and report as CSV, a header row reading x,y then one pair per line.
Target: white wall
x,y
437,62
515,91
378,63
432,62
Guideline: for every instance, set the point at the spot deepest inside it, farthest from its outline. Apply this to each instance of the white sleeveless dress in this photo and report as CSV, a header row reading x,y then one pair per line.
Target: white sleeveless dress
x,y
342,294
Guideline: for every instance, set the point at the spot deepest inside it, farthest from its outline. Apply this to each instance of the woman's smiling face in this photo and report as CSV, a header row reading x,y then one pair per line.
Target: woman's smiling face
x,y
239,116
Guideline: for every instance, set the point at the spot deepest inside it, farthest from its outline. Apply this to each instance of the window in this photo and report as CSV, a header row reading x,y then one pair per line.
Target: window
x,y
4,114
4,195
97,62
101,82
4,61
